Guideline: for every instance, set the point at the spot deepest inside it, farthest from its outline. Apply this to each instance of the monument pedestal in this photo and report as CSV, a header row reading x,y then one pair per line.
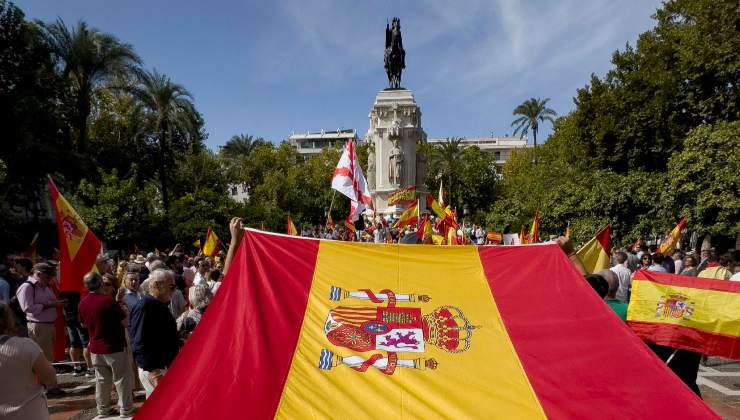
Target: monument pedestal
x,y
394,132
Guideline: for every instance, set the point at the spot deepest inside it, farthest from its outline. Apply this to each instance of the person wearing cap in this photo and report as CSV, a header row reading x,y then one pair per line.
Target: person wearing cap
x,y
40,305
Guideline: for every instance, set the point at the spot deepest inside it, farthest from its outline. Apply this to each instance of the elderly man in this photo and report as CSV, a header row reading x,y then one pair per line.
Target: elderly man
x,y
153,330
39,303
106,321
619,308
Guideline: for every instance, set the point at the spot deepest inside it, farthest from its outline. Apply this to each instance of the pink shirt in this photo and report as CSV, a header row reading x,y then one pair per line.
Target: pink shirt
x,y
32,300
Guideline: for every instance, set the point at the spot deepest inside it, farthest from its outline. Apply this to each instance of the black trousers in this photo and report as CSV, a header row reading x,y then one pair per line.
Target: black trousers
x,y
685,364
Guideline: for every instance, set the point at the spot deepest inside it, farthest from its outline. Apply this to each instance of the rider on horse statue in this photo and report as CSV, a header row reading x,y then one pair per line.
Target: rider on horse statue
x,y
395,56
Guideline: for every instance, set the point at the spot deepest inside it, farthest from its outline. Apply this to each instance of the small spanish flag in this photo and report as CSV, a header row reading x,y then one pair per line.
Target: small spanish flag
x,y
332,329
329,222
290,228
522,236
669,244
409,217
196,243
210,247
595,253
534,231
685,312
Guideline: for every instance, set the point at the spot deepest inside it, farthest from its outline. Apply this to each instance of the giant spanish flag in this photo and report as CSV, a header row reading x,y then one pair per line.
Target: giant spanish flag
x,y
327,329
78,246
595,253
685,312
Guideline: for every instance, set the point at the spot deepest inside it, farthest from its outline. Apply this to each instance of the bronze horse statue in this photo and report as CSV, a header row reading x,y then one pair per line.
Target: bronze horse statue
x,y
395,56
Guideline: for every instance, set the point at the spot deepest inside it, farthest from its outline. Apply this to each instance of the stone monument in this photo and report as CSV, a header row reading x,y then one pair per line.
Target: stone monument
x,y
394,132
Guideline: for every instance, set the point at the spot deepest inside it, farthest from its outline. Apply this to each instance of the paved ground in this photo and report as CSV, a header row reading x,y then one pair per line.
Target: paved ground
x,y
719,381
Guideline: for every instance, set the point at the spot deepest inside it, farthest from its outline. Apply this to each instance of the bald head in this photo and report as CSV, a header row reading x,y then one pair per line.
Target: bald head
x,y
612,280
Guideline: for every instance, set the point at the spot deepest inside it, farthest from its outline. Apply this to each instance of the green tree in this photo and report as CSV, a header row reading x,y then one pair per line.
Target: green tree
x,y
704,179
444,162
89,58
531,112
240,145
170,109
192,214
121,211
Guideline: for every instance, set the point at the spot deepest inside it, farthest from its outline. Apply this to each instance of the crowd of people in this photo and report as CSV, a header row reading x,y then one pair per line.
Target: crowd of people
x,y
125,329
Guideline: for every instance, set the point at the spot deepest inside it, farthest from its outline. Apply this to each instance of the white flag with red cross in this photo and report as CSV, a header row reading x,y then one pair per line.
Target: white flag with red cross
x,y
349,180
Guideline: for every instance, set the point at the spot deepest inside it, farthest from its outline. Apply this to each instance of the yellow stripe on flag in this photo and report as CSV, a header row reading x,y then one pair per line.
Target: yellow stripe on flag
x,y
74,228
706,307
593,255
485,380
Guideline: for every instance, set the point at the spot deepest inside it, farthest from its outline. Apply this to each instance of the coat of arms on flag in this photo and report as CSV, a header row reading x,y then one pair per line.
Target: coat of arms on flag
x,y
392,329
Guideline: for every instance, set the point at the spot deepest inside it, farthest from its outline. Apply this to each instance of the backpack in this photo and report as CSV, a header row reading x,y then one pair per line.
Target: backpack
x,y
15,305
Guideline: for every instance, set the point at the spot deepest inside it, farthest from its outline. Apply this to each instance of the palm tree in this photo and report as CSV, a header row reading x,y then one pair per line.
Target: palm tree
x,y
240,145
89,58
446,157
170,108
531,112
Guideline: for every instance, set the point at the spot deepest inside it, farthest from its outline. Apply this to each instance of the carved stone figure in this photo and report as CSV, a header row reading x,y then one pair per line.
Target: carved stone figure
x,y
371,167
421,166
395,55
395,165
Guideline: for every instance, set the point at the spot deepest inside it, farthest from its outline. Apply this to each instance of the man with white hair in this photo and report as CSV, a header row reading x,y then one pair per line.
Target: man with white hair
x,y
153,330
620,308
624,275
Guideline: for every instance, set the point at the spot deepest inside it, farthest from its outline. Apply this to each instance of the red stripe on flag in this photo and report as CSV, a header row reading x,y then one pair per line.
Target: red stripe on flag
x,y
687,338
687,281
581,359
243,347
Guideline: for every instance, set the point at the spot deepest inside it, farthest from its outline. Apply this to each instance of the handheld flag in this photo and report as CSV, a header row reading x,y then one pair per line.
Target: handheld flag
x,y
441,195
210,247
452,236
595,253
534,231
669,244
402,197
635,245
329,222
331,329
350,225
349,180
78,245
494,237
686,313
196,243
409,217
522,236
31,250
290,228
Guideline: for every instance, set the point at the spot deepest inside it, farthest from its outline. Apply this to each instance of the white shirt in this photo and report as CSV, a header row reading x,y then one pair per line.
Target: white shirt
x,y
199,279
625,282
735,277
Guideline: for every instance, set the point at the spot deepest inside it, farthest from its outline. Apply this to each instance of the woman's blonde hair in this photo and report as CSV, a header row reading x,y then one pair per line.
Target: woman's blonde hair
x,y
8,321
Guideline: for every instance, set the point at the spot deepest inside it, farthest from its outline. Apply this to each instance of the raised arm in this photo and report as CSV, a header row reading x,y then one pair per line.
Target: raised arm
x,y
236,228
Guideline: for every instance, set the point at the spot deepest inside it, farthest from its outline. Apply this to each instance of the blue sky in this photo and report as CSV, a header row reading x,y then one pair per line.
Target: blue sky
x,y
273,67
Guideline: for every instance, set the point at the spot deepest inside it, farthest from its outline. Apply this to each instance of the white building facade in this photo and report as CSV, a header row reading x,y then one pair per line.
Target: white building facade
x,y
309,144
499,147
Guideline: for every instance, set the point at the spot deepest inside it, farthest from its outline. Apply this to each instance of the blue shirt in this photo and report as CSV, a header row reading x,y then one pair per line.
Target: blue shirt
x,y
658,268
153,331
4,291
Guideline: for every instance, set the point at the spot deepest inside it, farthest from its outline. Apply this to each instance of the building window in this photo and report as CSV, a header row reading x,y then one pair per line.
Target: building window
x,y
233,191
496,156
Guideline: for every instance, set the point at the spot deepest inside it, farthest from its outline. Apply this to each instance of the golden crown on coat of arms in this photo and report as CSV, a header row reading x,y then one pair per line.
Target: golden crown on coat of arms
x,y
448,329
